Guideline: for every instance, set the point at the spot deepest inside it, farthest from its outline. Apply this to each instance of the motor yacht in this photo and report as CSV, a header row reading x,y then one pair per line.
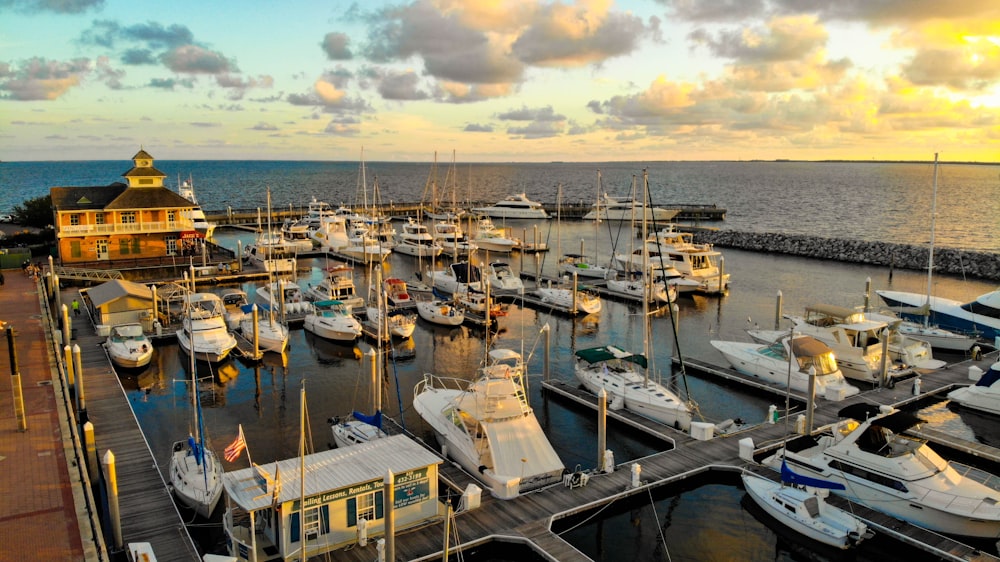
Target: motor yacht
x,y
984,395
514,207
332,320
203,329
979,317
128,347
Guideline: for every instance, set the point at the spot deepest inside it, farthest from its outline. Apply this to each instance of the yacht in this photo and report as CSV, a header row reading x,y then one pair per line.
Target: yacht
x,y
415,240
332,320
282,293
448,234
488,427
233,301
440,312
984,395
272,335
583,267
460,277
492,238
623,376
271,252
203,330
502,278
514,207
628,209
569,298
886,470
195,215
770,362
980,317
337,285
128,347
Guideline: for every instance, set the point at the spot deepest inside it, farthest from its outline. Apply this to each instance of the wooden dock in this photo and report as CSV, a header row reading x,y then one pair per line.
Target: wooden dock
x,y
148,512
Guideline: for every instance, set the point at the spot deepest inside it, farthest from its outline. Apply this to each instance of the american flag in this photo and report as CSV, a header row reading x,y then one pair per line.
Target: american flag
x,y
234,449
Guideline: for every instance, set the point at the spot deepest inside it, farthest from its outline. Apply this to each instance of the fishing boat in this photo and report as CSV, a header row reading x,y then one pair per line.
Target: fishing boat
x,y
128,347
488,426
984,395
885,469
337,284
281,292
332,320
811,358
792,503
195,471
203,331
396,294
514,207
396,323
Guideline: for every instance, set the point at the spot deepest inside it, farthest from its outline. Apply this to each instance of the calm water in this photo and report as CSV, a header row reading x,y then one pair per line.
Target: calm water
x,y
705,520
869,201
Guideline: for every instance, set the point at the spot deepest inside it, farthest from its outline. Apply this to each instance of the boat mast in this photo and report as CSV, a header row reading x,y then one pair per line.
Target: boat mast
x,y
646,291
930,253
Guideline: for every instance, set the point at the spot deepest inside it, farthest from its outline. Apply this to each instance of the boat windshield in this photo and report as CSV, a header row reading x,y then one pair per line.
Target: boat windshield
x,y
825,363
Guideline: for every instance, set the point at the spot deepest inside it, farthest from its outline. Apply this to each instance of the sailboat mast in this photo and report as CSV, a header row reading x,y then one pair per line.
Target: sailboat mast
x,y
645,284
930,254
302,471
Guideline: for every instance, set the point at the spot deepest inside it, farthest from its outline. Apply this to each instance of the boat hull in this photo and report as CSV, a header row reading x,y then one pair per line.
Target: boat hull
x,y
189,483
946,313
835,532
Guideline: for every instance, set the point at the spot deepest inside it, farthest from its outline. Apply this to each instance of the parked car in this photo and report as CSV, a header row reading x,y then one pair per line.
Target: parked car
x,y
6,218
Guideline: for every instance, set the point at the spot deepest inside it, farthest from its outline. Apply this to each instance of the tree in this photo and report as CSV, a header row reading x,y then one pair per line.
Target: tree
x,y
35,212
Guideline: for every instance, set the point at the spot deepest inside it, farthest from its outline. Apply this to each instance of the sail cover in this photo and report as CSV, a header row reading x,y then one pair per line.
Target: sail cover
x,y
789,477
374,419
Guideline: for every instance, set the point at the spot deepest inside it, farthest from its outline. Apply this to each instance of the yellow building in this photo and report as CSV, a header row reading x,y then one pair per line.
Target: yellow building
x,y
99,226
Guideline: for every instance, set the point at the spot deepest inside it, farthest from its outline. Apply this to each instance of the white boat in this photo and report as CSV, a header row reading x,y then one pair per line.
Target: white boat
x,y
770,362
984,395
358,428
272,253
618,373
805,510
441,312
396,294
583,267
919,323
398,324
194,470
203,331
281,293
128,347
979,317
698,263
886,470
272,335
856,340
514,207
488,426
449,235
415,240
502,278
196,215
331,235
459,277
628,209
338,284
657,292
233,301
365,248
332,320
568,298
492,238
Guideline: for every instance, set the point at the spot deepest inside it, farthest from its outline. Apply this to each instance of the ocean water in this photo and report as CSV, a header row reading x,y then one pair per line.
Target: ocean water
x,y
854,200
699,521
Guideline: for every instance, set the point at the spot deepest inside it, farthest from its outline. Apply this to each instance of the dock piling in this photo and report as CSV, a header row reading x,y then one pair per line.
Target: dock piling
x,y
110,473
15,379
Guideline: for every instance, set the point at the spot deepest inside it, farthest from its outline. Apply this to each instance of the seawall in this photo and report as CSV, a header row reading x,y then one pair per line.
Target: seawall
x,y
982,265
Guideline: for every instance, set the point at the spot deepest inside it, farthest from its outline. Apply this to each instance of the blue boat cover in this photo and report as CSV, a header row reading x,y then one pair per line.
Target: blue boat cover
x,y
374,419
790,477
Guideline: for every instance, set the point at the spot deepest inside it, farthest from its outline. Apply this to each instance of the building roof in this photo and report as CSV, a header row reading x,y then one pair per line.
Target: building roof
x,y
116,196
142,155
144,171
116,289
329,470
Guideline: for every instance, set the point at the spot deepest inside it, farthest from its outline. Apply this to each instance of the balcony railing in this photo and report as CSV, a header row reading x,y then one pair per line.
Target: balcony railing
x,y
126,228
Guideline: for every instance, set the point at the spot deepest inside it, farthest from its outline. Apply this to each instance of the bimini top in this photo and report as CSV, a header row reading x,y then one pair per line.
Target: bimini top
x,y
609,353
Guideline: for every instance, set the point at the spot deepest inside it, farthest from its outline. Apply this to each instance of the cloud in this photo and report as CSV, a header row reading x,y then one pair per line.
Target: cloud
x,y
528,114
152,35
196,60
205,124
536,130
478,128
570,36
343,127
782,39
137,57
56,6
714,10
42,79
404,86
237,86
110,76
171,83
264,127
335,46
973,66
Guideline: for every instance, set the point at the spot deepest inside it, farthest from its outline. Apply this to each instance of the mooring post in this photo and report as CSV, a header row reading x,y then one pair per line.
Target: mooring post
x,y
81,401
602,427
868,293
15,382
548,349
91,446
111,476
66,328
68,363
722,276
255,314
810,400
388,492
777,311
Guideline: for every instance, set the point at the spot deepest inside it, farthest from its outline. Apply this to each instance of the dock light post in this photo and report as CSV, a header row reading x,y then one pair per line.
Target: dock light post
x,y
15,380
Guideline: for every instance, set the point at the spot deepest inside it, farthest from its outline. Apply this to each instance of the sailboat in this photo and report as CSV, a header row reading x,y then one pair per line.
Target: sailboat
x,y
358,427
195,472
935,335
617,372
564,296
799,502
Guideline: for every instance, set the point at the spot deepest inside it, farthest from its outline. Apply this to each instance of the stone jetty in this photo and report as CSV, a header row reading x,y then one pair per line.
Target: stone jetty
x,y
982,265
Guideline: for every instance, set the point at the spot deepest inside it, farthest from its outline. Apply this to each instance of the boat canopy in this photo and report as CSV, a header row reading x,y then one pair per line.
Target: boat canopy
x,y
128,330
808,346
328,304
608,353
520,447
989,377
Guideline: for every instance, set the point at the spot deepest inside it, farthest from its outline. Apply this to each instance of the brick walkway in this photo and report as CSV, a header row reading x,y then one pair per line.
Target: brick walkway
x,y
39,487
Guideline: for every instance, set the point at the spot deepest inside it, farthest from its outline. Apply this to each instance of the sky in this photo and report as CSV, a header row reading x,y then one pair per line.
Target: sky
x,y
500,81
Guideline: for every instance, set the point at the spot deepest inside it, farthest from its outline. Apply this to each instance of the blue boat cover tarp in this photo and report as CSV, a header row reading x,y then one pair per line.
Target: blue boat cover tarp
x,y
790,477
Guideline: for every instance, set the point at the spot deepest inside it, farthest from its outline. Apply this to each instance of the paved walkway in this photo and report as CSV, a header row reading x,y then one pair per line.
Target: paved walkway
x,y
42,507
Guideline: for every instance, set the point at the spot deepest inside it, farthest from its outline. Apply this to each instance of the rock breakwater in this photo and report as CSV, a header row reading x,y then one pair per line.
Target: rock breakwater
x,y
983,265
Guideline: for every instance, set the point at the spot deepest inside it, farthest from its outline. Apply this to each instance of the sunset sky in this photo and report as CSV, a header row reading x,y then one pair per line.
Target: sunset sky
x,y
516,80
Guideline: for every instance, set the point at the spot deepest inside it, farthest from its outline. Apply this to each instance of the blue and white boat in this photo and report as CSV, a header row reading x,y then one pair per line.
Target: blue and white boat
x,y
980,316
984,395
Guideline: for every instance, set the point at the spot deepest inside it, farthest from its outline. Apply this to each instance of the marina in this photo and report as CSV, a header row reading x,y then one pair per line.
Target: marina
x,y
258,393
